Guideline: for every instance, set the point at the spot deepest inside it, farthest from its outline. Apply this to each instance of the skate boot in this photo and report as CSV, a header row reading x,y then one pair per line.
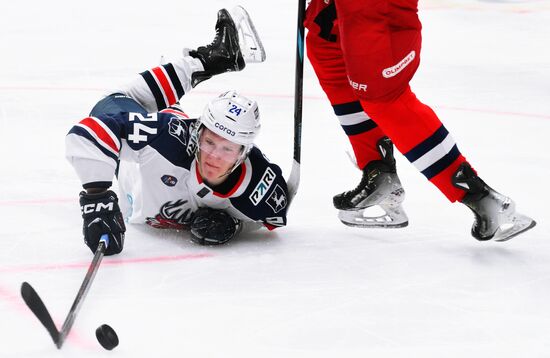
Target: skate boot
x,y
495,214
223,54
379,187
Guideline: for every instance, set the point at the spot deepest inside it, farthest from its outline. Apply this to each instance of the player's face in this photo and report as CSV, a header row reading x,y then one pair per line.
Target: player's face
x,y
217,156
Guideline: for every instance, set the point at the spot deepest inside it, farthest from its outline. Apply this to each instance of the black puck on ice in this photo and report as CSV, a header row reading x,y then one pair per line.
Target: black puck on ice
x,y
106,336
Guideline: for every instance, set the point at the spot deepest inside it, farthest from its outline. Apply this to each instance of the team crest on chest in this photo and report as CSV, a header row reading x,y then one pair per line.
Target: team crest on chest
x,y
277,200
172,215
178,129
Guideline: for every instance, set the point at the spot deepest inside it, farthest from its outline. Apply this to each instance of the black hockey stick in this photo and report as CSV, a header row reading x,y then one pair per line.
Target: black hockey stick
x,y
37,307
294,178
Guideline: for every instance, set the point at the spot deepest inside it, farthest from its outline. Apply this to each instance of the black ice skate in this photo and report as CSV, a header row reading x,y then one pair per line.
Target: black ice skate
x,y
495,214
223,54
379,187
235,43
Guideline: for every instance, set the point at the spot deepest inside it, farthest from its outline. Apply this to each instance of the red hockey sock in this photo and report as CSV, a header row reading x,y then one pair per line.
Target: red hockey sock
x,y
418,133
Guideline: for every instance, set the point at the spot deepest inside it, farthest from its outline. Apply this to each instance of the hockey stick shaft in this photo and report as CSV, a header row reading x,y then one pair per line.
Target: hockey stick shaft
x,y
294,178
34,302
84,288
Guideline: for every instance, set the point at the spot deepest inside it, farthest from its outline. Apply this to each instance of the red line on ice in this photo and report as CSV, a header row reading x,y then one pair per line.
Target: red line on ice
x,y
105,262
16,301
275,95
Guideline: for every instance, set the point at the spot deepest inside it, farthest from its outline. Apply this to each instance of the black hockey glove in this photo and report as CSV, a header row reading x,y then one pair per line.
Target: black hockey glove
x,y
213,227
101,215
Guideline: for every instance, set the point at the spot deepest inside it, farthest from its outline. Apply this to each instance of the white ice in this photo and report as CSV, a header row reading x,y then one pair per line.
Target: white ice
x,y
315,288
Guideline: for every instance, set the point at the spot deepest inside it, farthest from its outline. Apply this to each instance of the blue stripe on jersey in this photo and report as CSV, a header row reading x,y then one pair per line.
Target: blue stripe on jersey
x,y
427,145
83,133
116,103
155,90
174,79
442,163
360,127
347,108
351,108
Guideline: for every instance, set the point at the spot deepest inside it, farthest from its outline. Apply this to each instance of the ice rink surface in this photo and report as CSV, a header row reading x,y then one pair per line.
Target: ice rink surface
x,y
315,288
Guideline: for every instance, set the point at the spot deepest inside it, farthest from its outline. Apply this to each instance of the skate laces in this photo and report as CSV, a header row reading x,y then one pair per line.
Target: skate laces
x,y
216,38
366,182
220,25
375,168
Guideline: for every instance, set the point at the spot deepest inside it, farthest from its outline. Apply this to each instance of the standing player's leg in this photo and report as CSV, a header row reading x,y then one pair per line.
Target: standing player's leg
x,y
382,71
373,150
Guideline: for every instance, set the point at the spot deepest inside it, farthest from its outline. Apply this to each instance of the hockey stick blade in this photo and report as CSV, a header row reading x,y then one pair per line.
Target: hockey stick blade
x,y
293,180
34,302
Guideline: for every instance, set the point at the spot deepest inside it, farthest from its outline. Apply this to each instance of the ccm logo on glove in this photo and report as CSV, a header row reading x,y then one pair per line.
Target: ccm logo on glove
x,y
101,215
96,207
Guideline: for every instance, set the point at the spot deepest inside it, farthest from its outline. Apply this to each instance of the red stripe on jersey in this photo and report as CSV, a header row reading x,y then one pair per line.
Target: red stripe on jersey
x,y
173,111
270,227
197,173
165,83
232,191
239,182
100,132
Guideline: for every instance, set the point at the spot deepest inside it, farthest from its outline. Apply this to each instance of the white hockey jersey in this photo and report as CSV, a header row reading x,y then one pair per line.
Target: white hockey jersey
x,y
152,155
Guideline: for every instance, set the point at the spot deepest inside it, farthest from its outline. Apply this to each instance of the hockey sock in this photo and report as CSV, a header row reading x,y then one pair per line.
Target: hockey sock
x,y
362,132
418,133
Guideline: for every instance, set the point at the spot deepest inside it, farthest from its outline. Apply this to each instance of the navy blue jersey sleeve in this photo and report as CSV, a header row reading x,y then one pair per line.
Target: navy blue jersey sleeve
x,y
95,145
167,132
266,197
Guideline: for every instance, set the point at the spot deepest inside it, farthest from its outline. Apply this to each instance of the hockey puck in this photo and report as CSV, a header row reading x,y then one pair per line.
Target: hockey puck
x,y
106,336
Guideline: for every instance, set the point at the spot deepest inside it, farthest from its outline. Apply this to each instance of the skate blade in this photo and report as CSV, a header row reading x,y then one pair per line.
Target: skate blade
x,y
251,45
375,223
393,218
521,224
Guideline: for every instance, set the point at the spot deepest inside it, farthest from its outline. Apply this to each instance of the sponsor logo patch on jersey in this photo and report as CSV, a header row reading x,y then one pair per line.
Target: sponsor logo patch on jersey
x,y
178,129
394,70
169,180
277,200
263,187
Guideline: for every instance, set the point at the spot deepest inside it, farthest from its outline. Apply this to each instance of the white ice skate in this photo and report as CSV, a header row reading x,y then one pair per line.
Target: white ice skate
x,y
506,220
387,196
249,41
495,214
376,201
